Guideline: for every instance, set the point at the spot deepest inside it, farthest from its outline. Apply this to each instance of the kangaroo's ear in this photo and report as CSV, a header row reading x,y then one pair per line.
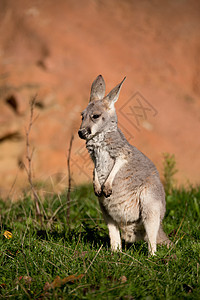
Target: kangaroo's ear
x,y
113,96
97,89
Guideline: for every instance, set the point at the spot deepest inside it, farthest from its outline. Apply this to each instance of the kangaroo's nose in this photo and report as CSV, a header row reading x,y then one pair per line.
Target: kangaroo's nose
x,y
82,133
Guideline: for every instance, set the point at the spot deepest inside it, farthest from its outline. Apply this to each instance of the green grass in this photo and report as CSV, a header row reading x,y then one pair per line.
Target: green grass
x,y
33,258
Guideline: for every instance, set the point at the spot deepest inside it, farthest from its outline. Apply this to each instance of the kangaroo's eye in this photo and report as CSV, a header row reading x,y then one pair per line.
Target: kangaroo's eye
x,y
96,116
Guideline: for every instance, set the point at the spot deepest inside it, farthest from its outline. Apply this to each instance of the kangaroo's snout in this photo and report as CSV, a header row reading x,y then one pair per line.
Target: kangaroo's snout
x,y
83,133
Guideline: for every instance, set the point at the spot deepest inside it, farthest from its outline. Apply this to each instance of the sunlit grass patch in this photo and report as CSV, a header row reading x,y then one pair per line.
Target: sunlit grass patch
x,y
54,260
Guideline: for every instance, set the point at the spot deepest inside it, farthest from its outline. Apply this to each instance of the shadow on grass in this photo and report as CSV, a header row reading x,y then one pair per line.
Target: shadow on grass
x,y
90,234
95,235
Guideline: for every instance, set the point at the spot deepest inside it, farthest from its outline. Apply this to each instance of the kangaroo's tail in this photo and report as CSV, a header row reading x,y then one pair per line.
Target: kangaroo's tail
x,y
162,238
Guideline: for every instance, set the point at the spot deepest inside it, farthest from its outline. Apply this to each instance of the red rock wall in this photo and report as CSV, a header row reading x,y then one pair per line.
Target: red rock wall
x,y
56,49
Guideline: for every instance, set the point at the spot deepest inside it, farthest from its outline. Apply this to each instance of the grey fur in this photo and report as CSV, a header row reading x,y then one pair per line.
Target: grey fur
x,y
127,183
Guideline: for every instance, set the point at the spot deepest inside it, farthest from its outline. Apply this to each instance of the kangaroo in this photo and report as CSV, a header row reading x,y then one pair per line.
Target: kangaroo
x,y
127,183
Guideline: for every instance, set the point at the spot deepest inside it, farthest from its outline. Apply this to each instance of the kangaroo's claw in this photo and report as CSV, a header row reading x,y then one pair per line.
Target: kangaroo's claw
x,y
107,189
98,193
97,190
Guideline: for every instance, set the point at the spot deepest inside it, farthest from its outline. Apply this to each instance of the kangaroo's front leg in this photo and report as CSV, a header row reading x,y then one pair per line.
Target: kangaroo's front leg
x,y
107,187
96,184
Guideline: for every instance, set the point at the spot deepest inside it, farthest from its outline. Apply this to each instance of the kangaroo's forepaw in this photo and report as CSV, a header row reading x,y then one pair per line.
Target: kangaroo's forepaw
x,y
97,190
107,189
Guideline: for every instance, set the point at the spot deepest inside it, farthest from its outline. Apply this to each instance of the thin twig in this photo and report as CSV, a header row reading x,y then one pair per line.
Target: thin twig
x,y
134,259
29,157
79,287
12,187
54,214
69,180
7,254
174,243
25,263
53,264
24,289
94,259
111,289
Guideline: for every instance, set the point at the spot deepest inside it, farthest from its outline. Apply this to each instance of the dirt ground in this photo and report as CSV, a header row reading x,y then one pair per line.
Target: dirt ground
x,y
55,51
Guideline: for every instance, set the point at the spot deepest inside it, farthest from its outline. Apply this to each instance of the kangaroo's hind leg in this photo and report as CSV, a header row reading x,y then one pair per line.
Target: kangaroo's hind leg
x,y
150,210
114,233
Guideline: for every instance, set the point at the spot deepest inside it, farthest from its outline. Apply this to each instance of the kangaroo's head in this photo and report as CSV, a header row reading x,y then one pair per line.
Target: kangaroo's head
x,y
100,115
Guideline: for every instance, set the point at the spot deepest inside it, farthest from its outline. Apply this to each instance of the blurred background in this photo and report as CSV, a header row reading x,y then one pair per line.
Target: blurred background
x,y
56,49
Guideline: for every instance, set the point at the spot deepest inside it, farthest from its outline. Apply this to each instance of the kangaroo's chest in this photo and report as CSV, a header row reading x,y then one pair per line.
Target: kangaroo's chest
x,y
103,163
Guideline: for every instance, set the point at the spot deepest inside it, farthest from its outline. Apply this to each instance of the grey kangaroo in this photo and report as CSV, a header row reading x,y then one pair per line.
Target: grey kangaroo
x,y
127,183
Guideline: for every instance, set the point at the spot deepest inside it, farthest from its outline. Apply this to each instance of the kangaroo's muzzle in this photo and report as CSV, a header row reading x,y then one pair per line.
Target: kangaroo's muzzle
x,y
83,133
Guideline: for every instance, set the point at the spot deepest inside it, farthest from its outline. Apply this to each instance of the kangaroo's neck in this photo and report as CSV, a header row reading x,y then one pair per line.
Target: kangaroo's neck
x,y
102,139
113,142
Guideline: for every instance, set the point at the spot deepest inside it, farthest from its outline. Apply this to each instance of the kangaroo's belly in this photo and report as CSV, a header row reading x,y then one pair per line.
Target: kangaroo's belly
x,y
123,208
123,205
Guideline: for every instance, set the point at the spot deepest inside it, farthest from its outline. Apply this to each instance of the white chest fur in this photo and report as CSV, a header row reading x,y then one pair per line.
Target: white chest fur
x,y
101,157
103,163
